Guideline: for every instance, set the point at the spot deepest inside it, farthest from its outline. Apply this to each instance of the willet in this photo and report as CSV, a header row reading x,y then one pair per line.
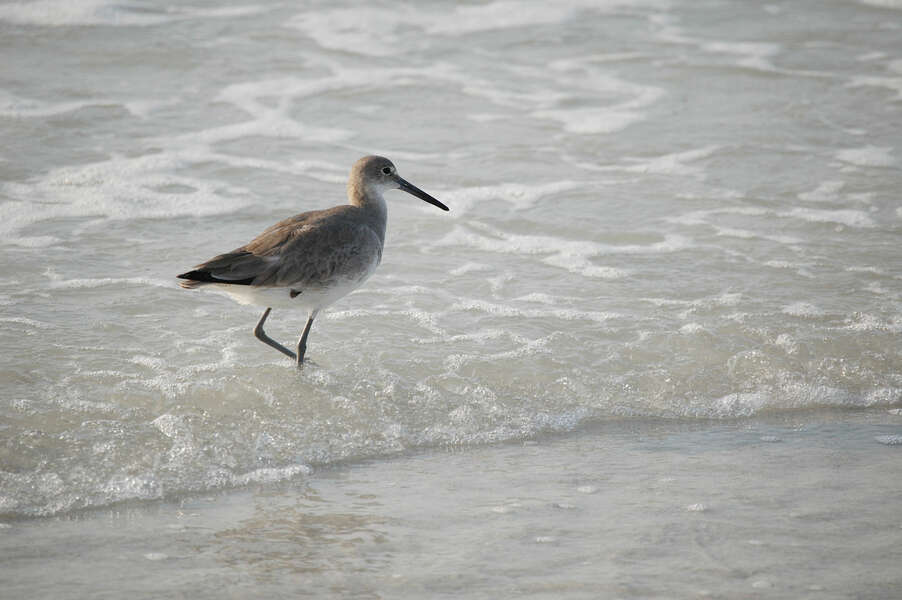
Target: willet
x,y
312,259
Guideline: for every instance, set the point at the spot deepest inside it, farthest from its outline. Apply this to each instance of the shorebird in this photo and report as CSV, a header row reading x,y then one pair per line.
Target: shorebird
x,y
312,259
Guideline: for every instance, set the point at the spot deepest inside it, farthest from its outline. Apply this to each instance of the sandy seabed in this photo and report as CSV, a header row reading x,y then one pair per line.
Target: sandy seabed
x,y
792,506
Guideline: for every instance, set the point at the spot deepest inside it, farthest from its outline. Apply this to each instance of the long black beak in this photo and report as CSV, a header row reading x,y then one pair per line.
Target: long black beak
x,y
414,190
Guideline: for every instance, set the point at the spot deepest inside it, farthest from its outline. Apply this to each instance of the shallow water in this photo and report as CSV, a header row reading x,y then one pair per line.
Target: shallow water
x,y
659,209
783,507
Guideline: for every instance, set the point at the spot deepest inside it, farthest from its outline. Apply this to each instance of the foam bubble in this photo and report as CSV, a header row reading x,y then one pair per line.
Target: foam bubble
x,y
374,31
31,323
57,13
868,156
897,4
754,55
890,83
692,329
826,191
270,475
850,218
703,217
866,322
23,108
673,164
803,309
606,119
506,310
748,235
120,188
58,283
573,255
518,195
545,539
156,556
502,14
469,267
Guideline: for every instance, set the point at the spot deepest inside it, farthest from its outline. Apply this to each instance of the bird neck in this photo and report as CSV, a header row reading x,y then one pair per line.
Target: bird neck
x,y
370,200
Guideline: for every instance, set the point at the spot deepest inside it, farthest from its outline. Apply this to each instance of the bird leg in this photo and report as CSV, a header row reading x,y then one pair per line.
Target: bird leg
x,y
261,335
302,343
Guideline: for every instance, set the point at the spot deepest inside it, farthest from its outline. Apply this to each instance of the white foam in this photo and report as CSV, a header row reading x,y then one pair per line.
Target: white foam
x,y
896,4
469,267
120,188
607,118
677,163
890,83
592,119
14,106
87,283
270,475
573,255
747,234
869,56
368,30
30,323
803,309
703,217
726,299
519,195
526,348
482,337
374,30
850,218
826,191
867,322
271,124
787,343
754,55
506,310
156,556
867,269
868,156
502,14
541,298
692,329
487,117
58,13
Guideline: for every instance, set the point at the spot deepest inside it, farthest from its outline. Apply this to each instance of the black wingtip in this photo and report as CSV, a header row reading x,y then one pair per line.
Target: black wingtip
x,y
199,276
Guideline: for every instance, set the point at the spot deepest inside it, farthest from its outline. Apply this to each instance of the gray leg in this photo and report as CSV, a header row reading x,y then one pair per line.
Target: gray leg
x,y
302,343
261,335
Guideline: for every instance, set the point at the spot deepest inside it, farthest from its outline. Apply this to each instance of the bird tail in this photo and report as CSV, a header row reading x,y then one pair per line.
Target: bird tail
x,y
199,277
190,284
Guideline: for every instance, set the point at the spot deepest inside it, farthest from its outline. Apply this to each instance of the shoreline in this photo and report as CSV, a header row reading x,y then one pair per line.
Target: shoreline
x,y
300,472
779,506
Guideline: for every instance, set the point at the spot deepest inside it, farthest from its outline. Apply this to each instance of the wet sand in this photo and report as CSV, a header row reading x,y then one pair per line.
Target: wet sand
x,y
795,506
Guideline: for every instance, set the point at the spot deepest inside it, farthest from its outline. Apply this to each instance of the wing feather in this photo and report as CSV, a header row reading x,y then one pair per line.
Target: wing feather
x,y
311,248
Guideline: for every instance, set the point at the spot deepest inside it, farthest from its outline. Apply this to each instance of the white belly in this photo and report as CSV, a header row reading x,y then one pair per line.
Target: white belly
x,y
310,299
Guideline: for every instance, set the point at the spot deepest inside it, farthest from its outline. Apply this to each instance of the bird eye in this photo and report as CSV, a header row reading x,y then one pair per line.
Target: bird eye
x,y
386,170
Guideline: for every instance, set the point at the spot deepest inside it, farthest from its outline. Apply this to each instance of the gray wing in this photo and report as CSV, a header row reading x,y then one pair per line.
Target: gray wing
x,y
308,249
